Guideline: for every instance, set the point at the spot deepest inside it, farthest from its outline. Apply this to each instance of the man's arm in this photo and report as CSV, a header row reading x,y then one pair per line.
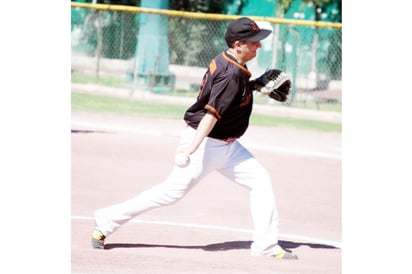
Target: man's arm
x,y
205,127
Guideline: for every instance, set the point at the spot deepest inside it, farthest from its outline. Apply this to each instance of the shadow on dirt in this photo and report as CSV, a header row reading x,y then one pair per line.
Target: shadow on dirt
x,y
86,131
218,246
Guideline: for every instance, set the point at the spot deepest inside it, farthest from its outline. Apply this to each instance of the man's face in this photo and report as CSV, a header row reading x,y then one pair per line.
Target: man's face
x,y
249,49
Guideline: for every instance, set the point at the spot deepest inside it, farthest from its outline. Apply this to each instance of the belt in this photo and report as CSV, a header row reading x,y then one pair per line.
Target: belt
x,y
229,140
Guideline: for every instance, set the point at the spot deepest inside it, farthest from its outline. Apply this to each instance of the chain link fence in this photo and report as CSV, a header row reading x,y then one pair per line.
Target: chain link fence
x,y
105,45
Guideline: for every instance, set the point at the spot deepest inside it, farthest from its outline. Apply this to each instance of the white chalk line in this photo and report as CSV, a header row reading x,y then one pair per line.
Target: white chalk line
x,y
154,132
306,239
117,128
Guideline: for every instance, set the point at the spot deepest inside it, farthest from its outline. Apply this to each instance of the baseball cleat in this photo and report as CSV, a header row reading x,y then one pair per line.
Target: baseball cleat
x,y
98,239
285,255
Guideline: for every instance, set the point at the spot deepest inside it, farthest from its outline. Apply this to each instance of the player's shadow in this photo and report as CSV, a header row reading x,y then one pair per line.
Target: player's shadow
x,y
83,131
233,245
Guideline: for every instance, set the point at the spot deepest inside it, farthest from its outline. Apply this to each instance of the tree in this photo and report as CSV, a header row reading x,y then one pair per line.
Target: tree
x,y
329,11
281,9
332,11
324,10
213,6
195,42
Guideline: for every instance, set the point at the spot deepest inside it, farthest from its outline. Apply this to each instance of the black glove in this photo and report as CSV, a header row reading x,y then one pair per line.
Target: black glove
x,y
273,83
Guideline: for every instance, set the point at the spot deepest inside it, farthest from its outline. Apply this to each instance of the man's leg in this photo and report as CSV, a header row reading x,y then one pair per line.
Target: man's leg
x,y
179,182
244,169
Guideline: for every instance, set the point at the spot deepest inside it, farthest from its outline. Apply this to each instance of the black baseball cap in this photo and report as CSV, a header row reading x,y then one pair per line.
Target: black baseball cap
x,y
244,29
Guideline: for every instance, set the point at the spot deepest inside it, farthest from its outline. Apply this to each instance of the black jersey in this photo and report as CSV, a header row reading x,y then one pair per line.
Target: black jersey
x,y
224,92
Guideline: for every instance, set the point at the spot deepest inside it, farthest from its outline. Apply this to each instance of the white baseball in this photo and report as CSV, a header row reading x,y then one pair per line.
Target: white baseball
x,y
182,160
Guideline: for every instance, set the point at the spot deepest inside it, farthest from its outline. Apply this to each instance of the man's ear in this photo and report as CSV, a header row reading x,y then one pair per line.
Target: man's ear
x,y
236,45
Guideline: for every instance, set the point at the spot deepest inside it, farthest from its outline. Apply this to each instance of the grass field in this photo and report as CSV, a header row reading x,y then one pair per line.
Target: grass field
x,y
116,81
104,104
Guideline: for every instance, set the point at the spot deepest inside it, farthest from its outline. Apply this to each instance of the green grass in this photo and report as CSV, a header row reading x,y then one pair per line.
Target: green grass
x,y
116,81
105,80
266,120
321,105
104,104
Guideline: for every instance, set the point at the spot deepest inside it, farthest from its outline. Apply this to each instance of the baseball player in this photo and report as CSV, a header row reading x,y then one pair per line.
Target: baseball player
x,y
215,121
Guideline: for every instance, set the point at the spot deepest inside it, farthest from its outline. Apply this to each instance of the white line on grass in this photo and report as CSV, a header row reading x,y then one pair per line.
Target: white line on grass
x,y
226,228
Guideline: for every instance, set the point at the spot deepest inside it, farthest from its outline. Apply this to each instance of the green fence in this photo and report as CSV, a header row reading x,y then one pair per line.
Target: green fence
x,y
105,39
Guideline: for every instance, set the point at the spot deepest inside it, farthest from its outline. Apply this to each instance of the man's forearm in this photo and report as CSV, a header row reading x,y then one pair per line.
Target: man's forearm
x,y
205,127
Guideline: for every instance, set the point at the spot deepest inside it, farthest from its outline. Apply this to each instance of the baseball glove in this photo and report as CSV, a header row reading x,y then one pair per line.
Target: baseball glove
x,y
273,83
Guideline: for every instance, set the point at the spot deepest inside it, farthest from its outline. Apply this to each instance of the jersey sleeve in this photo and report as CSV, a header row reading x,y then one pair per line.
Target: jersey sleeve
x,y
224,90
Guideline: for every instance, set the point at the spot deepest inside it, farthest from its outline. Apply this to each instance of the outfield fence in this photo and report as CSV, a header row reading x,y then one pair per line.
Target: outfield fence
x,y
146,48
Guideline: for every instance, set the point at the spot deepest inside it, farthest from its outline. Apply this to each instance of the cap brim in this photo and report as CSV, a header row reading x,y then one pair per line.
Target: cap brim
x,y
263,33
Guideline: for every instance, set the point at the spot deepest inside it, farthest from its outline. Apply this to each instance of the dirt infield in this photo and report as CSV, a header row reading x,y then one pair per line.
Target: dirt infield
x,y
208,231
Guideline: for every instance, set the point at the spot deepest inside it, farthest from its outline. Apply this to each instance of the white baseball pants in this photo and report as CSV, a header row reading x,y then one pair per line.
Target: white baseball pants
x,y
230,159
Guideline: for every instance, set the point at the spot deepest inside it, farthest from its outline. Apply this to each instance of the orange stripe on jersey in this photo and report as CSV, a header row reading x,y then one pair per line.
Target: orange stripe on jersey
x,y
214,111
203,85
237,64
212,66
